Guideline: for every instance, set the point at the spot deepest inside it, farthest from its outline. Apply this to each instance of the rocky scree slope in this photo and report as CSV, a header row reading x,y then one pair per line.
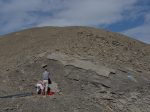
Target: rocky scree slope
x,y
96,70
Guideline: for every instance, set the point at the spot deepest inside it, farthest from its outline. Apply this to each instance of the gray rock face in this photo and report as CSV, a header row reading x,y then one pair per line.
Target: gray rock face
x,y
80,63
90,72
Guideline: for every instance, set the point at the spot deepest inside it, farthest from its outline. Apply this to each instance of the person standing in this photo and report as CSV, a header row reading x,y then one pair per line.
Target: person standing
x,y
45,77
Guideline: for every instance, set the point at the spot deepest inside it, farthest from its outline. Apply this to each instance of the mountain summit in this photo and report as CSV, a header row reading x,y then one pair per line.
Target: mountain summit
x,y
95,70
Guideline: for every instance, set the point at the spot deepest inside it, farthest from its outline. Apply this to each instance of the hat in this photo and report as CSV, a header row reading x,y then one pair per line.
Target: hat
x,y
44,65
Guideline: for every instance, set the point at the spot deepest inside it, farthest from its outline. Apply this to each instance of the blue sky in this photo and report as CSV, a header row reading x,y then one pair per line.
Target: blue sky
x,y
129,17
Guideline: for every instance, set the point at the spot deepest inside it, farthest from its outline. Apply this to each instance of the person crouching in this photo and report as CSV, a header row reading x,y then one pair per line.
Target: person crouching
x,y
40,87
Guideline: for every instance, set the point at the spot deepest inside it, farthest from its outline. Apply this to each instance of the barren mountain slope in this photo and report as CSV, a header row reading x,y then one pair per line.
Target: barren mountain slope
x,y
96,71
100,45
